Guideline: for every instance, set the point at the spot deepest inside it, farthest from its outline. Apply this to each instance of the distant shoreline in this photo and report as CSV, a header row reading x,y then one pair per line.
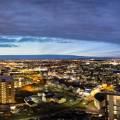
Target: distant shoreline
x,y
51,57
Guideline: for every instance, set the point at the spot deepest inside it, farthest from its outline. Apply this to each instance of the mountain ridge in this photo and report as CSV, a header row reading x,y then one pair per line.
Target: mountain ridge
x,y
50,57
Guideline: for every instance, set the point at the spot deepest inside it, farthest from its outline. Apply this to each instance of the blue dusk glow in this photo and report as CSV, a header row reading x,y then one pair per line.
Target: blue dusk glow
x,y
27,45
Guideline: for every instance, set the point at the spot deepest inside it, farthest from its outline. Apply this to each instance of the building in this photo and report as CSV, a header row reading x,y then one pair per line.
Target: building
x,y
7,91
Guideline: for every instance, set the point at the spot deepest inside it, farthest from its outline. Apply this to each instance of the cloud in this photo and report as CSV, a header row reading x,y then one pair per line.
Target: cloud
x,y
45,40
20,39
8,45
9,38
97,20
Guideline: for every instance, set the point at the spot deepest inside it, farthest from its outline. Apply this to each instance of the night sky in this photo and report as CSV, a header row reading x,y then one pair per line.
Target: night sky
x,y
70,27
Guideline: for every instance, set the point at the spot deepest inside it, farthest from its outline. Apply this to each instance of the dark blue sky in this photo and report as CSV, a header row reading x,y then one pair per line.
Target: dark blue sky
x,y
87,20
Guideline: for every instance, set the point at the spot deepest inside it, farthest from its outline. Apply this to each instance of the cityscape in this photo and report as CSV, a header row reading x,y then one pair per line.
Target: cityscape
x,y
59,60
58,89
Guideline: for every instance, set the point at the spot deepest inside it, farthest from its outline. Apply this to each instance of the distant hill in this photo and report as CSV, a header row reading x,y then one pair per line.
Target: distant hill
x,y
50,57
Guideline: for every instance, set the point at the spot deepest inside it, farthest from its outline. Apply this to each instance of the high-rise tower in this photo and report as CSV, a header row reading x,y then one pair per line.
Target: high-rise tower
x,y
7,92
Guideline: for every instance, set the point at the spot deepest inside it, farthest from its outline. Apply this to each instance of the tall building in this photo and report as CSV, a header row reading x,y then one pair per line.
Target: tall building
x,y
7,91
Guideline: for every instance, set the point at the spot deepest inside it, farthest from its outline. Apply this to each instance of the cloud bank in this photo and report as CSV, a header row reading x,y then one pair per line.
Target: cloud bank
x,y
97,20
